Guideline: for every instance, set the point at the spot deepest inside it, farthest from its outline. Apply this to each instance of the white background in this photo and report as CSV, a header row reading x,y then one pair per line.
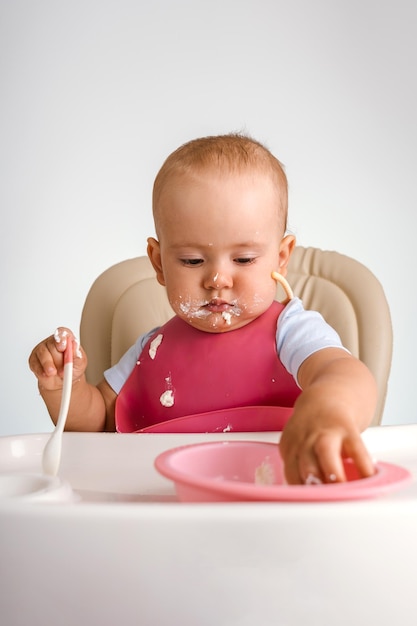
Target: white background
x,y
96,93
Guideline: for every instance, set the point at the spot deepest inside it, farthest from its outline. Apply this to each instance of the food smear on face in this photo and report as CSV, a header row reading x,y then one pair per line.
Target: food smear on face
x,y
206,310
227,316
193,309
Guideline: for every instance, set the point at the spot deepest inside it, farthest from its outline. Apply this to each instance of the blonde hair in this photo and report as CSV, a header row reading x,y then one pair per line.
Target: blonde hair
x,y
230,153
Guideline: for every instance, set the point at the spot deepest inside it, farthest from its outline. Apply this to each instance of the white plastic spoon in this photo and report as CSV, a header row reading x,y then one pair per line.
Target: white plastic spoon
x,y
52,452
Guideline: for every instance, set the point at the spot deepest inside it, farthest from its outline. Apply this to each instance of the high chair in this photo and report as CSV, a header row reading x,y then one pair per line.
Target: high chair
x,y
126,300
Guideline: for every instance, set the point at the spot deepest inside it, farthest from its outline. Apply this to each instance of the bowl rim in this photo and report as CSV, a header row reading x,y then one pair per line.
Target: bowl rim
x,y
387,477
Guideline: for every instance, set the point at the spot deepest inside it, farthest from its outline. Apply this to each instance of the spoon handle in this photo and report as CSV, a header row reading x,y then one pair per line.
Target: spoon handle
x,y
66,388
51,457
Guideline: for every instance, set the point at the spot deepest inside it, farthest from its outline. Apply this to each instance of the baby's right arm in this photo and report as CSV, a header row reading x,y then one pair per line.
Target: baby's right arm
x,y
91,408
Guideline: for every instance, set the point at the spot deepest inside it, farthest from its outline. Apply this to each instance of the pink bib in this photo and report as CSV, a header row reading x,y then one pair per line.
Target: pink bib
x,y
184,371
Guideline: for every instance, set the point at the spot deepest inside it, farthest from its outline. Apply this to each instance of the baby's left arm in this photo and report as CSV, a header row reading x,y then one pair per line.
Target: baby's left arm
x,y
337,402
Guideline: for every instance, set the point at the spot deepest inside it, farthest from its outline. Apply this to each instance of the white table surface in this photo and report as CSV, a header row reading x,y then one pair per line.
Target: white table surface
x,y
128,553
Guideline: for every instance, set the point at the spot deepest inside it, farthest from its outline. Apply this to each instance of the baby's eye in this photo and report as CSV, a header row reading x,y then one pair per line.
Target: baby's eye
x,y
191,262
244,260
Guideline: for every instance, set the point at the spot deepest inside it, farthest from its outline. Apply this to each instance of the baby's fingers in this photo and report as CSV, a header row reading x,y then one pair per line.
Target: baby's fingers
x,y
355,449
41,366
47,358
61,337
318,462
330,450
301,465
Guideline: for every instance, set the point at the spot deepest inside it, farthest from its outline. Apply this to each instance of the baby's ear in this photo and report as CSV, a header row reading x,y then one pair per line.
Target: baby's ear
x,y
286,248
154,254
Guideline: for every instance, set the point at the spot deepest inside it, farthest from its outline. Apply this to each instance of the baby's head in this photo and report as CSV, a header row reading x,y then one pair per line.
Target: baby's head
x,y
225,155
220,211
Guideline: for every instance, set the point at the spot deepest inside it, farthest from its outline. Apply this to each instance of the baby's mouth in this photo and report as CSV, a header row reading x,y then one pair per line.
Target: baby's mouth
x,y
218,306
227,310
207,308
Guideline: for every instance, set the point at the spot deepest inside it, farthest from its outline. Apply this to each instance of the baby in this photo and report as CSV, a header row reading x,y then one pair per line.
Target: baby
x,y
220,213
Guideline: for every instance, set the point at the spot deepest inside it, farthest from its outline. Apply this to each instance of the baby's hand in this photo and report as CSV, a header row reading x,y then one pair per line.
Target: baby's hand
x,y
47,359
314,453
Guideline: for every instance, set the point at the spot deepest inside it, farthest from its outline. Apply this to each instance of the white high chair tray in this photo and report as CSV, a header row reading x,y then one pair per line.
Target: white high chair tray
x,y
128,552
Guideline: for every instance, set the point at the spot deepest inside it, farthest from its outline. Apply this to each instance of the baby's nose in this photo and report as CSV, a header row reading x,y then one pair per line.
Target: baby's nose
x,y
218,280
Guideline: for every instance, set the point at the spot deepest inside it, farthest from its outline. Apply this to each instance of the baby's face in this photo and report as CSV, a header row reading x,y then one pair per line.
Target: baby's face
x,y
220,238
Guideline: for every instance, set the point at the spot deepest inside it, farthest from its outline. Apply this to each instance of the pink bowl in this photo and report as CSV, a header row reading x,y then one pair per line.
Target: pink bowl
x,y
229,471
240,419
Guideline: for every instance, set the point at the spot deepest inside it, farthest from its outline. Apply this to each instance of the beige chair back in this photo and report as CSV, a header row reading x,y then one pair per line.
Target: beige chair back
x,y
126,300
